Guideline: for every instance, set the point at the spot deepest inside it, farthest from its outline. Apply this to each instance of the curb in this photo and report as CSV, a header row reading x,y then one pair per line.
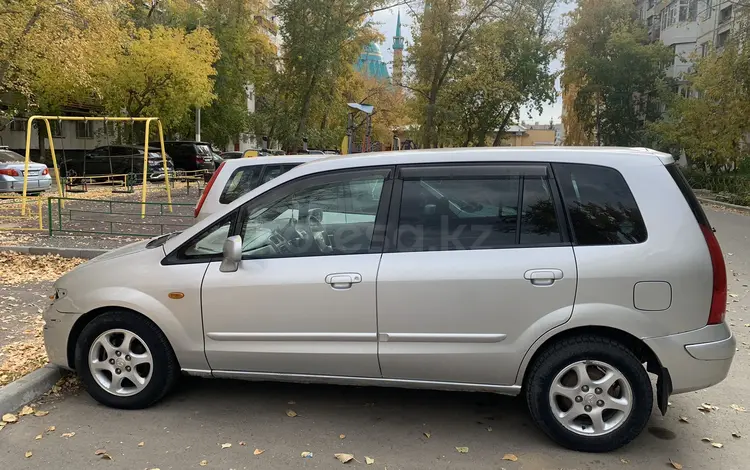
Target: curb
x,y
706,200
86,253
28,388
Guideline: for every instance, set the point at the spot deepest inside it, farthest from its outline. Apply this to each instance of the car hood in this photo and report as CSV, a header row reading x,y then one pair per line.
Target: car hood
x,y
120,252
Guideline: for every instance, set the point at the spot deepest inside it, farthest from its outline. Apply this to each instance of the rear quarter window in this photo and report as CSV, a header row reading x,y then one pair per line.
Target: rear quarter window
x,y
600,205
241,181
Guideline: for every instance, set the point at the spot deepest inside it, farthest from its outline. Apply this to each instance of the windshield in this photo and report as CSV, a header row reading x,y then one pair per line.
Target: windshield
x,y
9,156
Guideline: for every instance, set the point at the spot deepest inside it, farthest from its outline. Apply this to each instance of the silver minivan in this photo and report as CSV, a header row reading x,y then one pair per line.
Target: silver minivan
x,y
566,275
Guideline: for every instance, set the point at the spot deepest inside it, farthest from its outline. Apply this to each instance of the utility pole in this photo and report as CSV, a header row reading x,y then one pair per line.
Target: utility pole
x,y
197,124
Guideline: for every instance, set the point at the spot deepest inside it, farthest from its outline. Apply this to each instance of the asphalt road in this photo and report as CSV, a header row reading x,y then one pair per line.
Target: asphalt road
x,y
392,426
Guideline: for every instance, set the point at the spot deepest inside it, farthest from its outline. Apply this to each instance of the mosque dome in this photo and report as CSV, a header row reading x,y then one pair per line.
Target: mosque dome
x,y
371,64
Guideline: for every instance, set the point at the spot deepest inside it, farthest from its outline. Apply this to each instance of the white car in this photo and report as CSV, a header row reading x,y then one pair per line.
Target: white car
x,y
237,177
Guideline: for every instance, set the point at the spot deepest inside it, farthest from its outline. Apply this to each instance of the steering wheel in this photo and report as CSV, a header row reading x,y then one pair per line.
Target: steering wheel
x,y
315,223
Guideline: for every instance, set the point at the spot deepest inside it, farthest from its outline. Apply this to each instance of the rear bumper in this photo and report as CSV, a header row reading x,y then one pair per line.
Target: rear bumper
x,y
695,359
34,185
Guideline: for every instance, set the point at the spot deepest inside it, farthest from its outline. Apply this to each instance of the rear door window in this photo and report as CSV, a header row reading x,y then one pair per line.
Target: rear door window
x,y
600,205
476,212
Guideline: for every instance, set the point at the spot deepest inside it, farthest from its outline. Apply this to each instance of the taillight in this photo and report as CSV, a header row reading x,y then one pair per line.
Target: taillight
x,y
45,172
198,159
10,172
207,189
719,297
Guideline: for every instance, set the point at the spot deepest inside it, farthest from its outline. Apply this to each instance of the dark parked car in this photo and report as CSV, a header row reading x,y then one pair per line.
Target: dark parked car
x,y
117,160
231,155
191,156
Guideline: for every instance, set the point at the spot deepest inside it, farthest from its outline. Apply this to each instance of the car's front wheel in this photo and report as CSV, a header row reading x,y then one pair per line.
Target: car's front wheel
x,y
125,361
589,394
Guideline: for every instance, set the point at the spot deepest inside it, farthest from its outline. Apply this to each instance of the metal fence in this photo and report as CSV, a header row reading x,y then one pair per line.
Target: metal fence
x,y
68,215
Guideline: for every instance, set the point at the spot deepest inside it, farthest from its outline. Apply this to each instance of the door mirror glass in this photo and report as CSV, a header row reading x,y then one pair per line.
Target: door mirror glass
x,y
232,254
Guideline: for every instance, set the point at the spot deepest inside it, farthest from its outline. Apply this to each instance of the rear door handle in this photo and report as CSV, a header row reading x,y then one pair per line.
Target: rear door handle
x,y
543,277
343,280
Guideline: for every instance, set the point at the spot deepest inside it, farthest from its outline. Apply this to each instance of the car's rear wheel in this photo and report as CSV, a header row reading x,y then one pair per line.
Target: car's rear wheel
x,y
125,361
589,394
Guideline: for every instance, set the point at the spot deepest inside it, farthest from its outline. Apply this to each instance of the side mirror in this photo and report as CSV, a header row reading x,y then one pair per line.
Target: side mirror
x,y
232,254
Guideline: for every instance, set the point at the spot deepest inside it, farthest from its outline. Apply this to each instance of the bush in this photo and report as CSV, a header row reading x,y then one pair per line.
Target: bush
x,y
733,188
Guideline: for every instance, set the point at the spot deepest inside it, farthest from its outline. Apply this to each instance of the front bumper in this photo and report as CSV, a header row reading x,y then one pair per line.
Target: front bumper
x,y
57,328
695,359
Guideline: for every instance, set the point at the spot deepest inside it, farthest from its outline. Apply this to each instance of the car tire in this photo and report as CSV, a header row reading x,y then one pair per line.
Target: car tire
x,y
565,406
127,376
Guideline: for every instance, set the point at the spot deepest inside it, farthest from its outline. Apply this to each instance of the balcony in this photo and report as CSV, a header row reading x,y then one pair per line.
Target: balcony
x,y
267,24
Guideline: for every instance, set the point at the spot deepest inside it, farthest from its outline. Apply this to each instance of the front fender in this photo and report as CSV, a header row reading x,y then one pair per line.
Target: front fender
x,y
180,322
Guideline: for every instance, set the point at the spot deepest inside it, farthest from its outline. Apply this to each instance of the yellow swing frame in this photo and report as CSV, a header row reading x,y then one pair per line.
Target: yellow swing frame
x,y
46,119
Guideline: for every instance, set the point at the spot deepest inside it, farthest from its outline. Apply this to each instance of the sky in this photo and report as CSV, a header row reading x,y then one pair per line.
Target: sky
x,y
386,21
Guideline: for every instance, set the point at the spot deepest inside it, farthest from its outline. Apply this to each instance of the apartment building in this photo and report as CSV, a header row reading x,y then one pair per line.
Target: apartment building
x,y
690,27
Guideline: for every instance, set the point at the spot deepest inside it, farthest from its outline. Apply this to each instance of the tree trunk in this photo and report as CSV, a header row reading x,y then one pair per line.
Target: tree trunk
x,y
301,125
501,129
41,129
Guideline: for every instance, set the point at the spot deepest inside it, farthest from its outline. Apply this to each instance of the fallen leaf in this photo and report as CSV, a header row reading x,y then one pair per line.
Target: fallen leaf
x,y
684,419
291,402
9,418
706,439
736,434
203,463
718,445
39,414
511,457
427,434
100,452
26,410
39,436
733,295
307,455
2,425
462,450
489,428
258,451
106,457
369,460
141,444
51,429
676,465
291,413
68,434
28,454
342,436
243,443
625,461
738,408
226,445
344,458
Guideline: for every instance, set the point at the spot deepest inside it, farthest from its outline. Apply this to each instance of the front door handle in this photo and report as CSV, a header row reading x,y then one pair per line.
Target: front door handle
x,y
343,280
543,277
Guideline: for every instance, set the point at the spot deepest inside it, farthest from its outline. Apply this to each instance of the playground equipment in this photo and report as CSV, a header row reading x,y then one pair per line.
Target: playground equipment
x,y
347,145
60,189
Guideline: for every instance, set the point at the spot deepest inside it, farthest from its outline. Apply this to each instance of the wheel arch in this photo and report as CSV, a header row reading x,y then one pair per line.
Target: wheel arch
x,y
636,345
85,319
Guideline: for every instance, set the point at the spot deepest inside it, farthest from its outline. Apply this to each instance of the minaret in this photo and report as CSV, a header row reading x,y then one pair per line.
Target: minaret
x,y
398,53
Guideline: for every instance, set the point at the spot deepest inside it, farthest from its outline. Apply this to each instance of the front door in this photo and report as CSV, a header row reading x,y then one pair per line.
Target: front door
x,y
303,298
476,269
